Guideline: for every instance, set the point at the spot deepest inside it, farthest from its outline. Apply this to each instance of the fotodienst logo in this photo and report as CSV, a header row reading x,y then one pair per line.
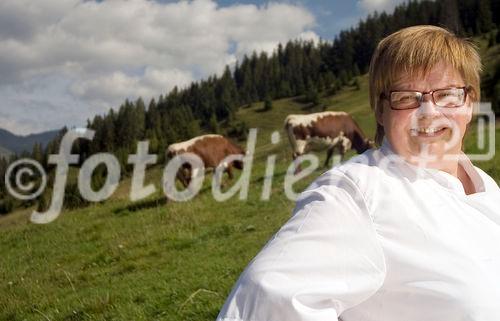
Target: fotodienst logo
x,y
19,185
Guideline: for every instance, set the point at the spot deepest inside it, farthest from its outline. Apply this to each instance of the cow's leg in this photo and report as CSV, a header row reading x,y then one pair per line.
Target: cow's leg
x,y
329,154
184,175
344,147
229,170
301,146
180,175
219,178
342,154
296,163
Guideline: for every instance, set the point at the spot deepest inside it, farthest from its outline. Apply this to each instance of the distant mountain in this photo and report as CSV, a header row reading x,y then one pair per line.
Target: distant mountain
x,y
10,142
4,152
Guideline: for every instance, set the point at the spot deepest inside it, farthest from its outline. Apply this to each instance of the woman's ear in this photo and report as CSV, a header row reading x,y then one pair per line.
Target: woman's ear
x,y
379,113
472,109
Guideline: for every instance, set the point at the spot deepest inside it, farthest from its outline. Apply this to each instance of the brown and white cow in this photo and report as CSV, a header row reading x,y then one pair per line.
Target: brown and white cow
x,y
336,130
211,149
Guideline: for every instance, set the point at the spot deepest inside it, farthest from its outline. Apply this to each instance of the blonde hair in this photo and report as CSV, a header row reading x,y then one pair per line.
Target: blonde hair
x,y
414,51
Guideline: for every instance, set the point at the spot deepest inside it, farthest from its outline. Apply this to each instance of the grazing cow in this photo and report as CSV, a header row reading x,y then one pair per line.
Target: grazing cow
x,y
211,149
337,130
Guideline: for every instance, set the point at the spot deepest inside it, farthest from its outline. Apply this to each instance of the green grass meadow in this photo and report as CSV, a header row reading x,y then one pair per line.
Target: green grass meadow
x,y
174,261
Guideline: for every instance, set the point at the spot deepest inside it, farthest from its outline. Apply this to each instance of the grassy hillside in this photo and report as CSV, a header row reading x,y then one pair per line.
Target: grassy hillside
x,y
175,261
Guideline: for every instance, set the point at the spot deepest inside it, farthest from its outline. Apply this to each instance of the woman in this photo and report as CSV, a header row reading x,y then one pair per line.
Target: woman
x,y
406,232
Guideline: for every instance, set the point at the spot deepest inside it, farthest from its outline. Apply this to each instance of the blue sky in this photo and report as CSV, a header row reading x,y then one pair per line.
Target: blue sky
x,y
64,61
332,16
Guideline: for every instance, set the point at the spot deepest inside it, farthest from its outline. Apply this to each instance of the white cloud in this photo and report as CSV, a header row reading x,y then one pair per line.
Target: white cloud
x,y
76,58
118,85
378,5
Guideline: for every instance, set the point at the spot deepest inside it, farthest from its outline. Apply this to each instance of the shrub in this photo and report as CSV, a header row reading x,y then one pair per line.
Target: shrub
x,y
312,96
72,197
268,105
6,205
238,129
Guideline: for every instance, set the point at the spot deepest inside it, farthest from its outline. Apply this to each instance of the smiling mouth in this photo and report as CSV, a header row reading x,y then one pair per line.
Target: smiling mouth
x,y
428,131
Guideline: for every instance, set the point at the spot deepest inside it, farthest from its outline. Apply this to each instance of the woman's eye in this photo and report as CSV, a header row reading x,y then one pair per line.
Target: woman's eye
x,y
405,98
446,94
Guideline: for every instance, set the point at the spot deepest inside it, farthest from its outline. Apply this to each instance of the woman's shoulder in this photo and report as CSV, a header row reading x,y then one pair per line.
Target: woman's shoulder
x,y
362,170
357,177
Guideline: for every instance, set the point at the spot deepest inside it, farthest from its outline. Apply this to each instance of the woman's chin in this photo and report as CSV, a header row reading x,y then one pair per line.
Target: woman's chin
x,y
426,152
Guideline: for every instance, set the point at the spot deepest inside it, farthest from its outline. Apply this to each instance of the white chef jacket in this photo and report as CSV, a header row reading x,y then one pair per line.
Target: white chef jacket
x,y
378,239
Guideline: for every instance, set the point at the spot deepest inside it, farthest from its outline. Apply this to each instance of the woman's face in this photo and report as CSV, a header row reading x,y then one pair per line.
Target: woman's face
x,y
428,132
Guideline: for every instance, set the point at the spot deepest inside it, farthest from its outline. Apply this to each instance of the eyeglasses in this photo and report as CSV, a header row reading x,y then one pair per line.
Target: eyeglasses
x,y
445,97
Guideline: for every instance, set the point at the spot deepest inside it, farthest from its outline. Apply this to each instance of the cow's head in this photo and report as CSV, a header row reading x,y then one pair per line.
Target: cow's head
x,y
237,163
364,145
368,143
184,174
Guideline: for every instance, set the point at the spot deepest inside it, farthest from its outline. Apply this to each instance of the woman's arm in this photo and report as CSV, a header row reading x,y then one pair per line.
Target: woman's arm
x,y
324,260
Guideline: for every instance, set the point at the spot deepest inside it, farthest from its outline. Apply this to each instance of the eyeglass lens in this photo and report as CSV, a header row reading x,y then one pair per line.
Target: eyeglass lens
x,y
450,97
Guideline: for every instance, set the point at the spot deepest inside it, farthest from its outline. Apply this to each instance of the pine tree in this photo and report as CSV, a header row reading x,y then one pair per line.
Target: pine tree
x,y
37,153
312,96
3,169
357,85
344,78
214,125
484,16
491,40
140,119
108,132
42,203
329,79
226,95
356,71
284,89
495,10
496,98
268,104
193,129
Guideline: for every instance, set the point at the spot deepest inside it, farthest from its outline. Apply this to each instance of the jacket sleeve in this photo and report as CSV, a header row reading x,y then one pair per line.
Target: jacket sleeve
x,y
324,260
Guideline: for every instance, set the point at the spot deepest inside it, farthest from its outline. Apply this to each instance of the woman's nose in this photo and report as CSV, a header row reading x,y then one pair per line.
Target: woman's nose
x,y
427,108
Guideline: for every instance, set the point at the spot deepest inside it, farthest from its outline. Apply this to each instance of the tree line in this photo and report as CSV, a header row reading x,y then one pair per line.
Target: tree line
x,y
293,69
